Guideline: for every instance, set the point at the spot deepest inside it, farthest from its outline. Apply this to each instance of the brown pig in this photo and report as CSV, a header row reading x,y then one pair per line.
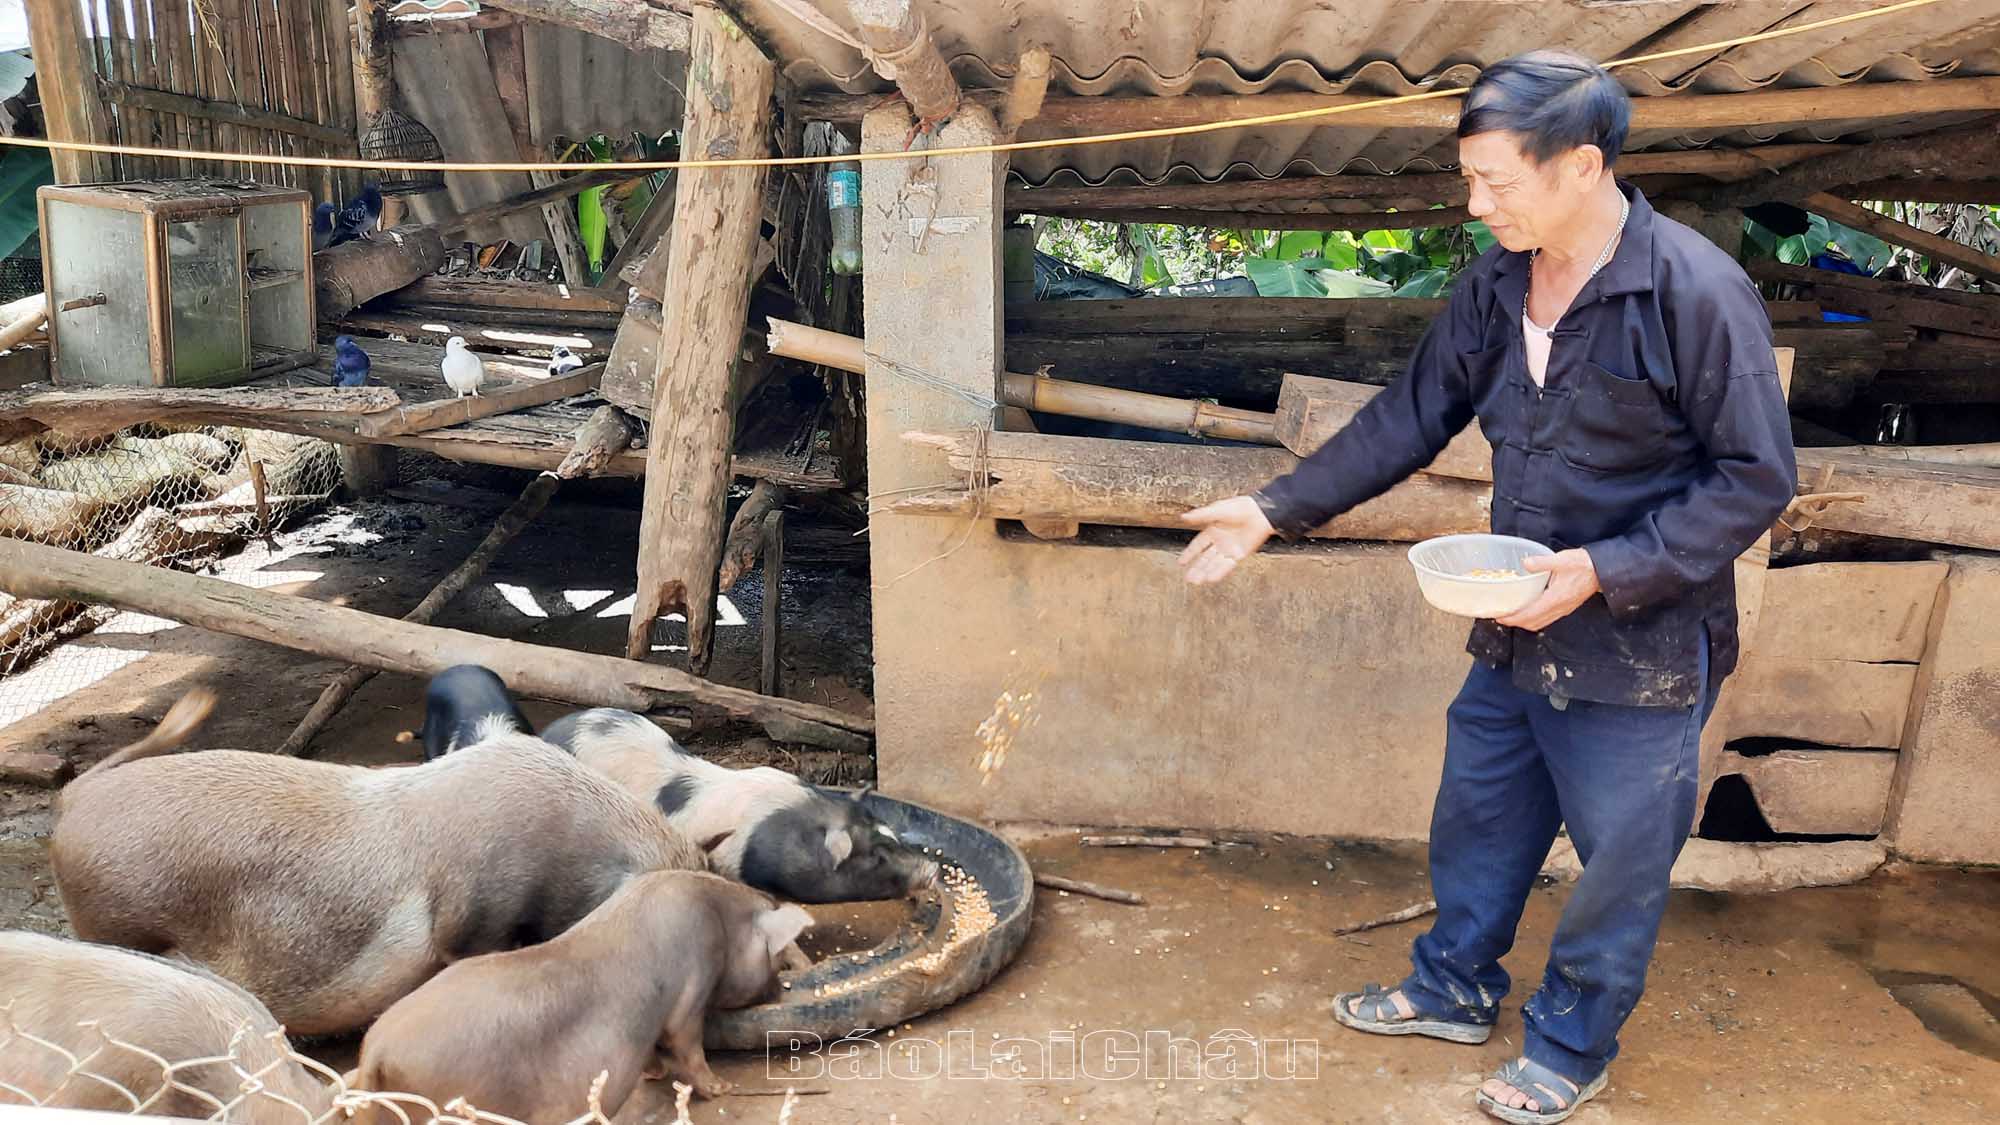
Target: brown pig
x,y
330,891
524,1033
115,1009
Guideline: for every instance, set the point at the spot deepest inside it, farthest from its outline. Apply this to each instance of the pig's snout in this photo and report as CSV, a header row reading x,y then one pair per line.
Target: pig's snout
x,y
925,877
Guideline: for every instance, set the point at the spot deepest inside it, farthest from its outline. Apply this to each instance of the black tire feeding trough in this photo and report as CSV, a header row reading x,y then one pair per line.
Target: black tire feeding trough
x,y
942,953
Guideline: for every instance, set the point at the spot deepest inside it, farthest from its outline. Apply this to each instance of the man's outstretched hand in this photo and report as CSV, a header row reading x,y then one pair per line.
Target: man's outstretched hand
x,y
1231,531
1572,580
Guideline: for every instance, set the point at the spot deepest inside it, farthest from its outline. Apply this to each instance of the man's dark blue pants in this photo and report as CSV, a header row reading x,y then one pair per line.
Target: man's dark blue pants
x,y
1515,768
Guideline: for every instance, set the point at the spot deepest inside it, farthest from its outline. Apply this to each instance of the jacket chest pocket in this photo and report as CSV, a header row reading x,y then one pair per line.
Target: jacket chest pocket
x,y
1615,424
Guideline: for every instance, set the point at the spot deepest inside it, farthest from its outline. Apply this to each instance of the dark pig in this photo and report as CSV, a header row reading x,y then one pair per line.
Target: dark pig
x,y
761,826
523,1033
465,705
330,891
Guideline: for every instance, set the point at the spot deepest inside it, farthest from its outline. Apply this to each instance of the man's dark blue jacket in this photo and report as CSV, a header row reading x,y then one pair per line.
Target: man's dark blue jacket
x,y
1660,444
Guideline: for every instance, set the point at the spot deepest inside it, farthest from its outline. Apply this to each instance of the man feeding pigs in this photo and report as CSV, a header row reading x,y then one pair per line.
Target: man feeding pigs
x,y
1622,368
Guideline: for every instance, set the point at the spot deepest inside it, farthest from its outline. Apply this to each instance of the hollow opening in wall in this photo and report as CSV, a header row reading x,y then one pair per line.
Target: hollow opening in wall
x,y
1733,816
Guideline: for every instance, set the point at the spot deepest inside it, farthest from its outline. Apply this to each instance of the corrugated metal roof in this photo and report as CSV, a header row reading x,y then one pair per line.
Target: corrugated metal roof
x,y
1387,47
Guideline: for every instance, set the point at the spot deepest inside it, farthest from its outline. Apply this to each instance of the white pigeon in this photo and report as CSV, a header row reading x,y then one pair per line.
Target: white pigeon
x,y
563,361
463,372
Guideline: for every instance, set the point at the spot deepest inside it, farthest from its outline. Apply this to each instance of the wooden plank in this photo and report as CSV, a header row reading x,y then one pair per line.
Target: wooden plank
x,y
1312,410
506,53
1935,153
520,335
503,399
709,277
1819,792
341,77
533,198
1018,420
774,586
1865,611
1829,702
1955,505
495,294
1981,265
535,671
649,234
1145,484
71,108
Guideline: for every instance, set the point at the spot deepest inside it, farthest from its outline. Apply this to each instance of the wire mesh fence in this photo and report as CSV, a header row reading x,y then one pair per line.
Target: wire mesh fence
x,y
164,496
262,1083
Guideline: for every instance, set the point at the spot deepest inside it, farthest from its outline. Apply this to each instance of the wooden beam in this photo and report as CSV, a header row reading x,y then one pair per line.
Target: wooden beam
x,y
1018,420
497,398
1928,190
631,23
1977,263
71,108
164,101
710,251
773,530
1957,505
1949,310
1925,154
746,533
105,410
1067,115
902,50
586,679
533,198
532,297
1145,484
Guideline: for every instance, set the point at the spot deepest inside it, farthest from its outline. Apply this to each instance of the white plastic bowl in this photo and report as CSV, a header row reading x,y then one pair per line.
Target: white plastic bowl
x,y
1444,564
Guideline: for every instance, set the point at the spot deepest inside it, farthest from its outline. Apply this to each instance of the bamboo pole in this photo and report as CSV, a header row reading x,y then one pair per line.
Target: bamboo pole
x,y
1050,396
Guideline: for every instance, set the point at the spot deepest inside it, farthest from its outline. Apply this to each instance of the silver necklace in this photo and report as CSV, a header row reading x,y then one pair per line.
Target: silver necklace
x,y
1624,213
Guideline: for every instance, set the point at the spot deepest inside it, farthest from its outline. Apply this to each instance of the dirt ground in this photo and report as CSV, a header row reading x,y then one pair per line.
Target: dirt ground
x,y
1208,1003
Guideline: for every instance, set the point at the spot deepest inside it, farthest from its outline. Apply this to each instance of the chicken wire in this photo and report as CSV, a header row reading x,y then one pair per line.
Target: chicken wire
x,y
159,495
98,1075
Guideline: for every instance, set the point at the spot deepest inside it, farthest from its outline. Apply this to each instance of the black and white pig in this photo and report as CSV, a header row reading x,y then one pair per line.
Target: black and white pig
x,y
760,826
467,704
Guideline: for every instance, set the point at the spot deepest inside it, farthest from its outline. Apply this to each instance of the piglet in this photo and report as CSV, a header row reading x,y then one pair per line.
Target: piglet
x,y
78,997
465,705
331,891
761,826
524,1033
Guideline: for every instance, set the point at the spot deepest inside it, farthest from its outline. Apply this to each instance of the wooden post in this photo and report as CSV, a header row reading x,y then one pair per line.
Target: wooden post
x,y
903,52
774,578
367,469
68,84
712,244
374,82
506,53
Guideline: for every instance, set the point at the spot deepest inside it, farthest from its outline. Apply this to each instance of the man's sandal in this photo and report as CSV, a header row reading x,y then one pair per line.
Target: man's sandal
x,y
1544,1087
1376,1014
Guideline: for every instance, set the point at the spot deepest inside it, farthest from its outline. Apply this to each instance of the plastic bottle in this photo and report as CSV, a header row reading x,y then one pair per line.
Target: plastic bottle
x,y
843,205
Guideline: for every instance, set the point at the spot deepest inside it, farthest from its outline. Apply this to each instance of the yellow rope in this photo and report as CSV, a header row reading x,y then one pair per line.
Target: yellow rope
x,y
639,166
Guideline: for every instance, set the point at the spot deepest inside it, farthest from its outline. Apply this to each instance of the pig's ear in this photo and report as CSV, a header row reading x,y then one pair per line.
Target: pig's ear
x,y
782,927
839,845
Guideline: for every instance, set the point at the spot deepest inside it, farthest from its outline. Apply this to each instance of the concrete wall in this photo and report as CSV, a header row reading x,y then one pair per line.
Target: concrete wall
x,y
1945,806
1306,694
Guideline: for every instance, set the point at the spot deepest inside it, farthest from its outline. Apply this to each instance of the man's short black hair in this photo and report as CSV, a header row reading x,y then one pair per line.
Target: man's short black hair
x,y
1555,100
